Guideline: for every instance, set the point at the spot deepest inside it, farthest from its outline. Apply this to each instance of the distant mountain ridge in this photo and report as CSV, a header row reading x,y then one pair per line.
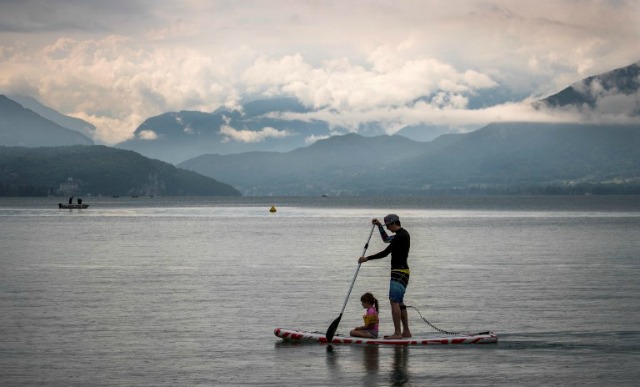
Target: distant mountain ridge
x,y
67,122
176,137
507,155
534,153
503,156
318,168
23,127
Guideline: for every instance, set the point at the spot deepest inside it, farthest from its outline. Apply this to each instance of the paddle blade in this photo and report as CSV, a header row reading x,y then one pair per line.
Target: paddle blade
x,y
332,328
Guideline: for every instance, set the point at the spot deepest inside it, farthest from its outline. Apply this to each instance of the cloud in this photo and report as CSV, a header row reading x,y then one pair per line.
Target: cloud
x,y
232,134
147,135
118,82
617,104
116,64
340,84
107,128
458,119
608,107
311,139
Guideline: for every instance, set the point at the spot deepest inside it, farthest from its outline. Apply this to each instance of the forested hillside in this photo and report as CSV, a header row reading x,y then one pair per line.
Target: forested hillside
x,y
97,170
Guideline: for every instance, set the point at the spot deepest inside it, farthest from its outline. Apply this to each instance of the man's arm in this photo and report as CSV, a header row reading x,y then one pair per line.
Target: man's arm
x,y
386,238
381,254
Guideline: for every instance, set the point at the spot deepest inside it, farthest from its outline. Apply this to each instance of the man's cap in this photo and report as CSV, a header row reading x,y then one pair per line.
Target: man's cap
x,y
390,219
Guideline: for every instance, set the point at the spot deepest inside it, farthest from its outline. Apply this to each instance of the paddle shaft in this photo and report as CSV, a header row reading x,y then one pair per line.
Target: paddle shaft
x,y
334,325
353,281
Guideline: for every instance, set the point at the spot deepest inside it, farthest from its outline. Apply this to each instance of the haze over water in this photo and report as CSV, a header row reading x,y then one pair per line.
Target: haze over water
x,y
187,291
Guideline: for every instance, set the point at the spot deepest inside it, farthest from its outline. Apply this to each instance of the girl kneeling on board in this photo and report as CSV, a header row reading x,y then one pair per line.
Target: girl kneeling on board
x,y
370,327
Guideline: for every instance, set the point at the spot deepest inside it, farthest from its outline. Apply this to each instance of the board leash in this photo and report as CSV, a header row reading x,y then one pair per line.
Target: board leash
x,y
431,325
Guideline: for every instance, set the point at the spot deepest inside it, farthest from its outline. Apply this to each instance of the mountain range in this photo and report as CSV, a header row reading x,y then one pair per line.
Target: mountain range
x,y
500,157
20,126
67,122
263,125
622,83
178,136
280,156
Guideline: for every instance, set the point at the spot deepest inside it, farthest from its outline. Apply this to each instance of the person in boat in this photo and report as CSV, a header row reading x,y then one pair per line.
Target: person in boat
x,y
371,321
399,245
71,200
79,200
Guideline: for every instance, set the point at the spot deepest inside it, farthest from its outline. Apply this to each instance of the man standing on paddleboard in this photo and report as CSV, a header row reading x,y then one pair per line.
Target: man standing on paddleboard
x,y
399,245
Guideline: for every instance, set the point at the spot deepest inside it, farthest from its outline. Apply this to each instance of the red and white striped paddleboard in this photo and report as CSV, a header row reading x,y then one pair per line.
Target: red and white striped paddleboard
x,y
425,339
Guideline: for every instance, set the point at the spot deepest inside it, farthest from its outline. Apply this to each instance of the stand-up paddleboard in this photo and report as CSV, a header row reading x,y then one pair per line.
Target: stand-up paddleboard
x,y
427,339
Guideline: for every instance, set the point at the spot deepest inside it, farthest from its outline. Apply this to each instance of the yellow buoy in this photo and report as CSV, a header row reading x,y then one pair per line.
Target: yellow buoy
x,y
273,209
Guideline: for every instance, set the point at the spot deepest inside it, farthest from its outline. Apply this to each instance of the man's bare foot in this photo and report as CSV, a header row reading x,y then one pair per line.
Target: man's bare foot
x,y
393,337
406,335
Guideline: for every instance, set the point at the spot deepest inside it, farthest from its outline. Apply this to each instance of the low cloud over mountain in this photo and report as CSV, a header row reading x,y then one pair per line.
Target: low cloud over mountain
x,y
283,124
610,97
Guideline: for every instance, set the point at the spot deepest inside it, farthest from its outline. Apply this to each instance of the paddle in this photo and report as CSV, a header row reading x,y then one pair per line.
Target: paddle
x,y
334,325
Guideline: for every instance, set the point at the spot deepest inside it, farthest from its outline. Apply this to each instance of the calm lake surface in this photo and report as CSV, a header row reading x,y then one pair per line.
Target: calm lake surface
x,y
188,291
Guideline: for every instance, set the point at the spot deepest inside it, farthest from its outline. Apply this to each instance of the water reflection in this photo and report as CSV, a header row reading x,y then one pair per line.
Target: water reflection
x,y
399,366
371,358
371,363
332,358
386,365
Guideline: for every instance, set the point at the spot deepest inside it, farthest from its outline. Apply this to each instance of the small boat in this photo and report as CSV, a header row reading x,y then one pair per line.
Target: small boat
x,y
72,206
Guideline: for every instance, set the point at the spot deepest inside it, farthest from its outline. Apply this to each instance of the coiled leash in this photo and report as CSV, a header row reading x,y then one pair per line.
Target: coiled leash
x,y
431,325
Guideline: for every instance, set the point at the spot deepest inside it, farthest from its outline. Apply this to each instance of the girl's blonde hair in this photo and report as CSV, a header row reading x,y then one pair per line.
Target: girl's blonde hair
x,y
370,299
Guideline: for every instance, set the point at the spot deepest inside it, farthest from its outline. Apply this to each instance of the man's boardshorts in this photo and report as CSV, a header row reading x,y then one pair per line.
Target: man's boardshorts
x,y
398,284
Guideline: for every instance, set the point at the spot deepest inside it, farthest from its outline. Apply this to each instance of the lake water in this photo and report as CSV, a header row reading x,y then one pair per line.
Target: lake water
x,y
188,291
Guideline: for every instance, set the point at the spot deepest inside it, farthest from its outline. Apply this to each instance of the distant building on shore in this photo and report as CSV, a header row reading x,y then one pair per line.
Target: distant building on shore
x,y
69,187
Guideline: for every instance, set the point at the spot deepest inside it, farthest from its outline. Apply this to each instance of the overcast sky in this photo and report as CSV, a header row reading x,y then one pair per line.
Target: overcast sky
x,y
116,63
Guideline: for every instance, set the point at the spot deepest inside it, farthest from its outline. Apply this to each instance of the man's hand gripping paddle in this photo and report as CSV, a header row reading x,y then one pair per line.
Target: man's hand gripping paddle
x,y
334,325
